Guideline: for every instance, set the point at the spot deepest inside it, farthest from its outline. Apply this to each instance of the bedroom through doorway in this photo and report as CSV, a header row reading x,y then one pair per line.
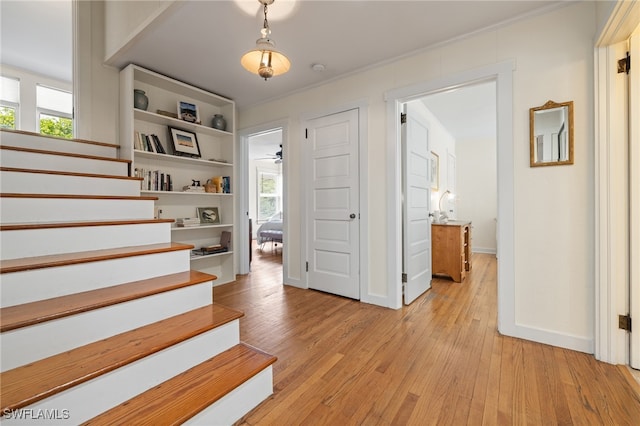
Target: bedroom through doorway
x,y
265,193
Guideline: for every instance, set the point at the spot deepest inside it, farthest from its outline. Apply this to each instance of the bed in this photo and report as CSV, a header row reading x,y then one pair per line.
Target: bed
x,y
270,231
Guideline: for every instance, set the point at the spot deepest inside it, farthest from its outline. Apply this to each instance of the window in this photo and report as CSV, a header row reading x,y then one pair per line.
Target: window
x,y
9,102
269,194
54,110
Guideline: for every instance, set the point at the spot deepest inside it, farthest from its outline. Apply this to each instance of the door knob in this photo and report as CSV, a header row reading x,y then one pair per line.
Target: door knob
x,y
352,215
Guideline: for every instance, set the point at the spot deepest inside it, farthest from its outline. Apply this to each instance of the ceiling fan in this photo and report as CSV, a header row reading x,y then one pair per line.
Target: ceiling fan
x,y
277,157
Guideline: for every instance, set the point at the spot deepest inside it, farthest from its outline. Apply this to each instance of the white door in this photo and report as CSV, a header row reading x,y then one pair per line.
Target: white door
x,y
634,201
332,203
416,188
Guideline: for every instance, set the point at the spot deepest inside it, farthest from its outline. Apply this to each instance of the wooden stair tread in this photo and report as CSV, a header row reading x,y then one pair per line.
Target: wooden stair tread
x,y
30,383
183,396
18,316
77,197
48,261
85,141
63,173
64,154
80,224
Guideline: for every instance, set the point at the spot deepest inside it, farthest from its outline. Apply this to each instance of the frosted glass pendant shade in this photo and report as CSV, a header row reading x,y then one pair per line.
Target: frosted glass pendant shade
x,y
265,60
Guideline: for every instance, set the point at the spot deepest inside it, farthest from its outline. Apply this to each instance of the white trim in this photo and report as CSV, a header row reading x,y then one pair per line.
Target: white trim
x,y
553,338
502,74
634,204
242,160
611,294
363,137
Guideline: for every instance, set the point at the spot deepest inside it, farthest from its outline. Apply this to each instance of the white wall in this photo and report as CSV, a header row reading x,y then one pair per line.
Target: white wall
x,y
554,241
554,222
95,86
477,190
125,19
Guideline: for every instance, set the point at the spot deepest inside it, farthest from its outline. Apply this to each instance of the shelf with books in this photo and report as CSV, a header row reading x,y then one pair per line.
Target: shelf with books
x,y
174,154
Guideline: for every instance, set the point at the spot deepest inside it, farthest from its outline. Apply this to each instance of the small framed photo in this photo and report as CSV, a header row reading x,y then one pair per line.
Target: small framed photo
x,y
208,215
188,112
184,143
435,171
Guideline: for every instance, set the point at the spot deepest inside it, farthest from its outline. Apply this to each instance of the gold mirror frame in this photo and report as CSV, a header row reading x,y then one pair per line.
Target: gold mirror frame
x,y
548,148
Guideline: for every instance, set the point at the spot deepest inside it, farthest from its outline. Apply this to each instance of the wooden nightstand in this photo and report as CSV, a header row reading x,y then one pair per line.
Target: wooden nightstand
x,y
451,249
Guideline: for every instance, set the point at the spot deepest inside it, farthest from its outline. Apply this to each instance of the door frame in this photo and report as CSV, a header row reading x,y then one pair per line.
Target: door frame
x,y
362,106
611,294
502,74
242,206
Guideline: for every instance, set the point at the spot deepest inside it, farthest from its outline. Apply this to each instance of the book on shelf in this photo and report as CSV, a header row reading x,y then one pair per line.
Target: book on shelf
x,y
158,145
154,180
182,222
191,188
148,143
211,249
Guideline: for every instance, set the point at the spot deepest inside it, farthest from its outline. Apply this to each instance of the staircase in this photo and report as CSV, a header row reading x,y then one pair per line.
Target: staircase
x,y
101,319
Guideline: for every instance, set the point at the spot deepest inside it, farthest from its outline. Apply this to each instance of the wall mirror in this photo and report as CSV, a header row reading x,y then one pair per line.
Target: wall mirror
x,y
551,134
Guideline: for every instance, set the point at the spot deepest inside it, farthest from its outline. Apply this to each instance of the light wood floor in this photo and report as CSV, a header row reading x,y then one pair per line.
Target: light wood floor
x,y
438,361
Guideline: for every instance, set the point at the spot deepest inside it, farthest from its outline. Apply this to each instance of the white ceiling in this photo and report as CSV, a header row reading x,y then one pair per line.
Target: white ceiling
x,y
201,42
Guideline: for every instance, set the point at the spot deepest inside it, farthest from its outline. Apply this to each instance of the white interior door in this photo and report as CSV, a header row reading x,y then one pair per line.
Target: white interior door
x,y
416,188
634,201
333,180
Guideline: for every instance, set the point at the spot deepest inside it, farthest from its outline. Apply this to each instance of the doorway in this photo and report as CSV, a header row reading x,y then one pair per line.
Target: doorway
x,y
501,73
461,124
261,209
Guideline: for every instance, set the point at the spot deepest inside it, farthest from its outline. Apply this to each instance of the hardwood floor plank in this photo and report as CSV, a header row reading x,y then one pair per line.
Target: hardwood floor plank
x,y
438,361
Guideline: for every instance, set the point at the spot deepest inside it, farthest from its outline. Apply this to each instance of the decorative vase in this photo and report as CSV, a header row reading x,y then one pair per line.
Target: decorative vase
x,y
140,100
219,122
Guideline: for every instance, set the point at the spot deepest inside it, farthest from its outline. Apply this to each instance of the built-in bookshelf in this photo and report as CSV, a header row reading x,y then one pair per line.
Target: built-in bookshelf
x,y
176,170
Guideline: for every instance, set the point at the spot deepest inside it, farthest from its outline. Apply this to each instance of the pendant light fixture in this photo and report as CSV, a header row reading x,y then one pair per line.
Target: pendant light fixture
x,y
265,60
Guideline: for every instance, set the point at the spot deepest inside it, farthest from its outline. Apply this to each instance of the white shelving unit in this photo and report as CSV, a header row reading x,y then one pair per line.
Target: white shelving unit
x,y
216,159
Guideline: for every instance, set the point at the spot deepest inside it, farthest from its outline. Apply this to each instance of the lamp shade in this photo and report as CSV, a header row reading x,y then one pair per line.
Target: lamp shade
x,y
265,60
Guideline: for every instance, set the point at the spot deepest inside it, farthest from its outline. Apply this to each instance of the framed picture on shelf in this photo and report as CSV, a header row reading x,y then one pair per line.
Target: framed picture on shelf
x,y
184,143
435,171
208,215
188,112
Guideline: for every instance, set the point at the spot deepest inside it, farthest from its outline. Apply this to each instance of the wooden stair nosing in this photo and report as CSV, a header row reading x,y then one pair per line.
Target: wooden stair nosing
x,y
77,197
80,224
64,154
23,315
185,395
77,140
63,173
49,261
33,382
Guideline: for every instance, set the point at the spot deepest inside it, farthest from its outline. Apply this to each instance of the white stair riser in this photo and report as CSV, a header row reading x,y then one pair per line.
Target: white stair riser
x,y
91,398
56,144
237,403
41,242
46,283
22,159
39,183
30,210
29,344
